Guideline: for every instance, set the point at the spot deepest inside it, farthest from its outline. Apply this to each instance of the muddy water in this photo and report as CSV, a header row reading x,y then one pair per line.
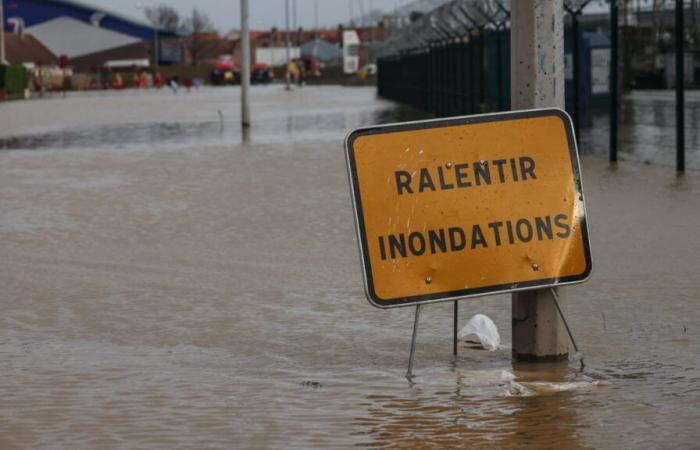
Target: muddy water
x,y
209,295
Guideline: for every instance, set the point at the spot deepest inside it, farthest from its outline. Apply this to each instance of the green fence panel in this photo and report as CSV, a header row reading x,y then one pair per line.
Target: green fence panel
x,y
452,78
13,79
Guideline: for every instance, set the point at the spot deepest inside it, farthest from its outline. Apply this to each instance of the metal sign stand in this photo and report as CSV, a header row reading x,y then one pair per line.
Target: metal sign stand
x,y
411,356
578,355
409,373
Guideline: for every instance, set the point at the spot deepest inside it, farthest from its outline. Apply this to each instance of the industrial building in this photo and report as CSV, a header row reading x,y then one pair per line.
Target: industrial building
x,y
90,36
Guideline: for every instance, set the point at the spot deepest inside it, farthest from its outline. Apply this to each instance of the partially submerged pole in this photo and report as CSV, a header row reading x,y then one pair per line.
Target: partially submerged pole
x,y
537,81
614,83
680,89
286,19
245,65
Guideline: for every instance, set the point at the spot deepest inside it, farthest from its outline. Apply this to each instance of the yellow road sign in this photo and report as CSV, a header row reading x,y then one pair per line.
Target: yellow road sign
x,y
453,208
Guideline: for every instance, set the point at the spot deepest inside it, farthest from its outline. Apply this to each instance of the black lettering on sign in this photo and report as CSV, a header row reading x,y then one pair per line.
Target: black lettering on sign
x,y
499,163
457,239
426,182
523,236
444,186
437,240
478,237
403,181
461,175
560,221
495,226
419,248
396,245
513,170
509,229
527,166
382,251
481,172
544,227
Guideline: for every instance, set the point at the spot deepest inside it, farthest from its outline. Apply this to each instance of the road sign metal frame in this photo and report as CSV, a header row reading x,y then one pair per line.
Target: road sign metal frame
x,y
471,292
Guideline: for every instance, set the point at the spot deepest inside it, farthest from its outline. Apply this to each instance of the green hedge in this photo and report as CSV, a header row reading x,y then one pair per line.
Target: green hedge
x,y
14,80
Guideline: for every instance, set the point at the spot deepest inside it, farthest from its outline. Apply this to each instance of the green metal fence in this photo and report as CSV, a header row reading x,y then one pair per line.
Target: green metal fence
x,y
451,77
13,80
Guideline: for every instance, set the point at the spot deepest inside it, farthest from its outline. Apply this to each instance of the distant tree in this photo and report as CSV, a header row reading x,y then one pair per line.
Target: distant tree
x,y
163,16
198,24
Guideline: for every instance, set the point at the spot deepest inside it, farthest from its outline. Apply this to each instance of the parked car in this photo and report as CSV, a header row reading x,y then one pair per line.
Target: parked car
x,y
224,72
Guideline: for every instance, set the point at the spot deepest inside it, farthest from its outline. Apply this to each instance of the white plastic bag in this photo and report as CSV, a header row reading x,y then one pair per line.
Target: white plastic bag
x,y
481,330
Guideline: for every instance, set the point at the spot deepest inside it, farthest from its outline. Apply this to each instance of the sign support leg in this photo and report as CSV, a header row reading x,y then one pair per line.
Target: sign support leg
x,y
578,355
454,330
409,373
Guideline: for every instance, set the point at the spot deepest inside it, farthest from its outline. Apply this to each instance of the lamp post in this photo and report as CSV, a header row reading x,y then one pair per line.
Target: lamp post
x,y
286,11
245,65
2,34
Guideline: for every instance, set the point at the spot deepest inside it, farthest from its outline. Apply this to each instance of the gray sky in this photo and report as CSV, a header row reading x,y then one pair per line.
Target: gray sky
x,y
263,13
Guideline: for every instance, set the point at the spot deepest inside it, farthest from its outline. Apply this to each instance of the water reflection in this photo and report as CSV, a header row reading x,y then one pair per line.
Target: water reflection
x,y
647,132
296,127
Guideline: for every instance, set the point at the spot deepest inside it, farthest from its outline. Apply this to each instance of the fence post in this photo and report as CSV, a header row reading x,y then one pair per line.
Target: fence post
x,y
614,82
537,80
680,89
472,72
576,75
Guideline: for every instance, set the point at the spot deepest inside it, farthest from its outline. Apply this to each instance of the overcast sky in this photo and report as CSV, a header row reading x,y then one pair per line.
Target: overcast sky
x,y
263,13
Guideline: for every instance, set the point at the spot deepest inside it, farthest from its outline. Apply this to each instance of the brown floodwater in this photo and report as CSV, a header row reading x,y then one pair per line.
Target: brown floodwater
x,y
189,290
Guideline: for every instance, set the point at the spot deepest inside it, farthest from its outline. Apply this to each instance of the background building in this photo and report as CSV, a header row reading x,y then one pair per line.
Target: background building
x,y
87,35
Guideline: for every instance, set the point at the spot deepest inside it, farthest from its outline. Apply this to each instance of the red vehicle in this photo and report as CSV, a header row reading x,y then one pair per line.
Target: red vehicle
x,y
224,71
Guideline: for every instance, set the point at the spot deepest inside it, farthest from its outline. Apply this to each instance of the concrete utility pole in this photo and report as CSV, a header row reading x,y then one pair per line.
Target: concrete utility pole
x,y
2,34
286,20
537,81
245,65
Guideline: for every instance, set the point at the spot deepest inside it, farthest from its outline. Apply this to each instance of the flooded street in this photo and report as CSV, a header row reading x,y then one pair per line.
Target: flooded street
x,y
167,285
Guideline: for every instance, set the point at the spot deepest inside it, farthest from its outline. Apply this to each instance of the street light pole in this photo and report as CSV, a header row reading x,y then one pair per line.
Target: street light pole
x,y
245,65
614,107
286,19
2,35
